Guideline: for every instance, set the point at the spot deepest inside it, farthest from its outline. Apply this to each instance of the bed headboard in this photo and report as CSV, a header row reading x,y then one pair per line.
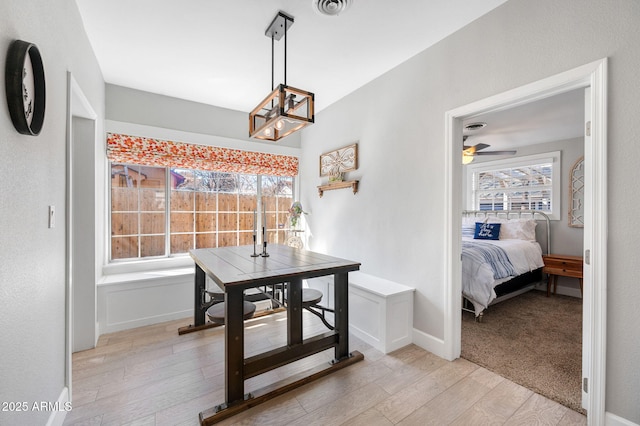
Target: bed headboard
x,y
543,234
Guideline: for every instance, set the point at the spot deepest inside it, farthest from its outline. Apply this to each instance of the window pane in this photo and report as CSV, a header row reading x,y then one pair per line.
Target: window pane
x,y
248,184
124,223
137,208
152,223
124,199
205,222
124,247
523,187
226,182
181,243
227,221
181,200
206,209
206,201
246,238
151,246
181,222
227,202
206,240
226,239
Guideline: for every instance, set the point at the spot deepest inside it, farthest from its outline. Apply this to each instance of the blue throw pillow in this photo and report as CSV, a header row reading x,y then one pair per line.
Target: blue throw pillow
x,y
487,231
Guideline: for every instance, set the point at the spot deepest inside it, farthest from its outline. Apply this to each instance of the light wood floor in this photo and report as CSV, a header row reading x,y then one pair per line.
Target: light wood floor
x,y
153,376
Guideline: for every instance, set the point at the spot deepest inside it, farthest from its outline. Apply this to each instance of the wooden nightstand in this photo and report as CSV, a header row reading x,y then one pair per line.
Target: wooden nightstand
x,y
561,265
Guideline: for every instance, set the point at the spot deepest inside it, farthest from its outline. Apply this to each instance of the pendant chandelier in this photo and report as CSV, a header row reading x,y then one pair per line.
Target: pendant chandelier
x,y
286,109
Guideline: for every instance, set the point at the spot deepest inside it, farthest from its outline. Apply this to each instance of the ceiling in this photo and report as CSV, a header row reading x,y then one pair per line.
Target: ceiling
x,y
555,118
216,52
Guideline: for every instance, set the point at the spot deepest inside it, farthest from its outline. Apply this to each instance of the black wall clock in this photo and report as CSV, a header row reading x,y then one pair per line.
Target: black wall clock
x,y
24,80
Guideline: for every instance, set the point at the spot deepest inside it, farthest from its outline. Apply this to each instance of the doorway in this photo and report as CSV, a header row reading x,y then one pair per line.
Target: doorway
x,y
79,224
592,76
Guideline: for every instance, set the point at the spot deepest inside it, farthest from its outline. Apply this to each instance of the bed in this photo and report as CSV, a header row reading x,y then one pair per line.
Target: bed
x,y
501,255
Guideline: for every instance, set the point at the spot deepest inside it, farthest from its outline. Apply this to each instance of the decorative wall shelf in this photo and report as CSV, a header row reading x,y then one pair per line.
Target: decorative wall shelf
x,y
338,185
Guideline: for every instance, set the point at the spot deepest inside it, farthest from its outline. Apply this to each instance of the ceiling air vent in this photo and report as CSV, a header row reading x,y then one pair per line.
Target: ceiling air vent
x,y
331,7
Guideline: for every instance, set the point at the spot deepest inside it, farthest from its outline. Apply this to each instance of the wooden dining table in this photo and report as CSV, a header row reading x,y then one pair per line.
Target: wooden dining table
x,y
235,270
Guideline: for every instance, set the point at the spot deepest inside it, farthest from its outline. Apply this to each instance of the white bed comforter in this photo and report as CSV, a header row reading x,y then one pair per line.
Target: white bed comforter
x,y
478,277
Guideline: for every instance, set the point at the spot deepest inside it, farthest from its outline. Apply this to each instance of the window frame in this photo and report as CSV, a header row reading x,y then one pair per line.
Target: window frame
x,y
553,157
168,260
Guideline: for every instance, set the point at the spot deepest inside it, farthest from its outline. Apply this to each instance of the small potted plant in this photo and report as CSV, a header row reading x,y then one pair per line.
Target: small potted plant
x,y
294,213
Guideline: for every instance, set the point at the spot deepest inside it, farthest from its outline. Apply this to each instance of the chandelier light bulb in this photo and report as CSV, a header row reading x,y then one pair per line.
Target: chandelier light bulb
x,y
279,124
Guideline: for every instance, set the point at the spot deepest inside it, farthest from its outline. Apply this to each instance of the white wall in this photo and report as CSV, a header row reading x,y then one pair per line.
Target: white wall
x,y
136,106
32,256
394,224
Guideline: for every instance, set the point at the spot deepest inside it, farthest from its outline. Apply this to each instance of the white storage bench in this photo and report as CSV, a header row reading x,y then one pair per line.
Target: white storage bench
x,y
380,311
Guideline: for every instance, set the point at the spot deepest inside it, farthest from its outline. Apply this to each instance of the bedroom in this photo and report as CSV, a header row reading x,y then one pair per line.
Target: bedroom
x,y
401,148
550,129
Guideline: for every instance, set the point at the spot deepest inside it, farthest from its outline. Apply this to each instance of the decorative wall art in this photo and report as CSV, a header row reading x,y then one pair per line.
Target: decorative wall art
x,y
339,161
335,164
576,194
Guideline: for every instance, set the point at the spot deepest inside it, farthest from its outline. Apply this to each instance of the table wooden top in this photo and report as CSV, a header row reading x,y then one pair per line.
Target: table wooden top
x,y
234,266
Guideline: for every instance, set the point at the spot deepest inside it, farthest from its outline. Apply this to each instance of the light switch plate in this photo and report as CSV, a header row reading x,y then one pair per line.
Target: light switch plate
x,y
52,216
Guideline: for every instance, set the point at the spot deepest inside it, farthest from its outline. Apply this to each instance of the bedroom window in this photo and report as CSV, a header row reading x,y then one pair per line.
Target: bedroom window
x,y
163,211
523,183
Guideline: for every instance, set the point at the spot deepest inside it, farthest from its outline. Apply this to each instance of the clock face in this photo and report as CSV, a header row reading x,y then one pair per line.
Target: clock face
x,y
28,89
25,87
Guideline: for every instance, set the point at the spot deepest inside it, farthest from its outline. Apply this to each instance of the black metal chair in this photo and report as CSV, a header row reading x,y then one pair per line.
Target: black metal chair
x,y
310,301
217,307
217,311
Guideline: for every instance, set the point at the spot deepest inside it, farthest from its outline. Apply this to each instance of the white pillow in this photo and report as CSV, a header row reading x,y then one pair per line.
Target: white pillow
x,y
469,225
518,229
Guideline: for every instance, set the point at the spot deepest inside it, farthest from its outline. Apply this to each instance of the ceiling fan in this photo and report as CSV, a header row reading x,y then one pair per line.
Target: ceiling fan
x,y
470,151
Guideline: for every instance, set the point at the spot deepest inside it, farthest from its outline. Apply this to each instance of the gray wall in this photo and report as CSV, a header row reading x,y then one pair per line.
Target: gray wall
x,y
32,256
565,239
135,106
394,224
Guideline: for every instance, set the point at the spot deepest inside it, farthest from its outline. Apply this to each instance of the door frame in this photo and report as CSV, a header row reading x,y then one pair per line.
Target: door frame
x,y
77,106
594,76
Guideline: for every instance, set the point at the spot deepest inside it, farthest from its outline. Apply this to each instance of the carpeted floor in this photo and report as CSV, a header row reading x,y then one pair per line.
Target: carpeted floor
x,y
532,340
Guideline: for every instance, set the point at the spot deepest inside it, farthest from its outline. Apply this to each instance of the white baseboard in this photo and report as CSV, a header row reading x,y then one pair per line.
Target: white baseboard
x,y
563,290
613,420
56,418
429,343
141,322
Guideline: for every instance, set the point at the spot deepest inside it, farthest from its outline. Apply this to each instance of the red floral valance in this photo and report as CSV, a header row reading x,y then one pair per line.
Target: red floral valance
x,y
156,152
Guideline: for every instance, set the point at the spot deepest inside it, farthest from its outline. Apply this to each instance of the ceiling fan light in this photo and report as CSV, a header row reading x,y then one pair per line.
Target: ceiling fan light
x,y
466,159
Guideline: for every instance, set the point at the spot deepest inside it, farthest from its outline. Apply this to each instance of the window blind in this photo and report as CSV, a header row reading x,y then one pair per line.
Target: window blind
x,y
156,152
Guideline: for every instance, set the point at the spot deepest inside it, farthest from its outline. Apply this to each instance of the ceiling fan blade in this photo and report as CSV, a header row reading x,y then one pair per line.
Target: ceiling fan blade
x,y
480,146
496,153
472,150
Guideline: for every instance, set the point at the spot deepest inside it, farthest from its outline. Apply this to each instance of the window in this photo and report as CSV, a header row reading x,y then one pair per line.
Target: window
x,y
163,211
524,183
